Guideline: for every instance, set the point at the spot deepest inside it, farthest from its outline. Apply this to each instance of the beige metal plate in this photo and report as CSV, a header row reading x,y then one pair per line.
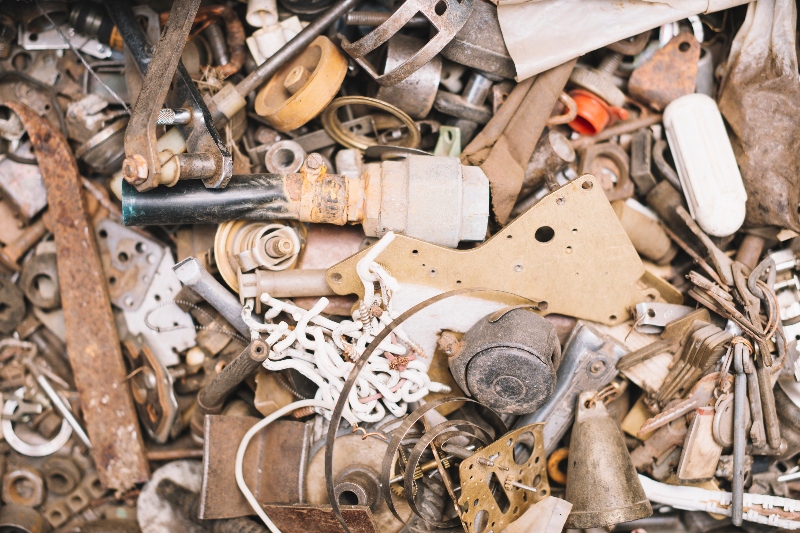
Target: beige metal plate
x,y
569,251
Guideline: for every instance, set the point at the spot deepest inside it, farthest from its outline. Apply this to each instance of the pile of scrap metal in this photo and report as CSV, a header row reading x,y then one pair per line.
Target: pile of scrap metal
x,y
399,266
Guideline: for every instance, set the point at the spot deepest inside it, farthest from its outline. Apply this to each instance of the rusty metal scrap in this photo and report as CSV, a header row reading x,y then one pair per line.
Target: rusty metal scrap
x,y
92,341
412,291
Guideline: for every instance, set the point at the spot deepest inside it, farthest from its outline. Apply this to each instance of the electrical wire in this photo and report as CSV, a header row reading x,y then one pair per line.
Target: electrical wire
x,y
261,424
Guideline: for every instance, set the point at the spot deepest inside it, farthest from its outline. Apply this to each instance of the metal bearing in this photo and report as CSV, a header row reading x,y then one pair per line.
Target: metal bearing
x,y
23,486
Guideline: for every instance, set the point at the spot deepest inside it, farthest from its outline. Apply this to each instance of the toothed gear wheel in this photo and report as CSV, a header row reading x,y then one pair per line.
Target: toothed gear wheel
x,y
598,83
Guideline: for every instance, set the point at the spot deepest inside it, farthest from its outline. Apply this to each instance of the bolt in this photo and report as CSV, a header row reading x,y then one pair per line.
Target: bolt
x,y
376,18
314,162
134,170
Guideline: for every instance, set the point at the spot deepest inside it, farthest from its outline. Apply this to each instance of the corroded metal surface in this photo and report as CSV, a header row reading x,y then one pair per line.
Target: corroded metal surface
x,y
92,339
320,519
669,74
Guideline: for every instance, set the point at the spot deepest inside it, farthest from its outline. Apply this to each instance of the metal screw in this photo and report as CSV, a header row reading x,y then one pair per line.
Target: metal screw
x,y
511,483
376,18
314,162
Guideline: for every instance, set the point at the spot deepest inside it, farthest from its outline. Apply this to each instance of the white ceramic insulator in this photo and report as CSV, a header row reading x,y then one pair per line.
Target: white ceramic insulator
x,y
706,164
262,13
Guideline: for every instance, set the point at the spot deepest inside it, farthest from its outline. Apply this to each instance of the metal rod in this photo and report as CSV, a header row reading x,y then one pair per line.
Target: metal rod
x,y
740,352
193,275
58,403
292,48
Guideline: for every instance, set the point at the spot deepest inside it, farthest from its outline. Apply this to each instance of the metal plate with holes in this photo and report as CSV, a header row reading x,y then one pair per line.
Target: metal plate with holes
x,y
130,261
488,501
176,331
568,251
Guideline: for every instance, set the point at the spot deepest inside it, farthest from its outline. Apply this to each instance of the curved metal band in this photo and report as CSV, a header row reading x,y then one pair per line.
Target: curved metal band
x,y
336,416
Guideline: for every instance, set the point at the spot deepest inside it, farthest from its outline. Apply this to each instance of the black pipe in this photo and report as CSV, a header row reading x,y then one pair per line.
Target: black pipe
x,y
247,197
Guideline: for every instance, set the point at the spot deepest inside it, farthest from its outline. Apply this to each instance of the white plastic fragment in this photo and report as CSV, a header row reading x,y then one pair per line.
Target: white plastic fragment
x,y
706,164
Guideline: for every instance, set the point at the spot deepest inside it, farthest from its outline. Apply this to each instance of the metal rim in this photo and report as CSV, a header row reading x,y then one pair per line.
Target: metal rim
x,y
333,126
33,450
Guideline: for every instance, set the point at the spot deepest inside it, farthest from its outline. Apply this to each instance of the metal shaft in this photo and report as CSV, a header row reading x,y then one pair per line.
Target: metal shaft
x,y
193,275
291,49
739,436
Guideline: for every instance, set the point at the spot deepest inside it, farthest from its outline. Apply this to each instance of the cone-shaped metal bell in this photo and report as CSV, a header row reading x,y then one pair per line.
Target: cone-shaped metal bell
x,y
602,484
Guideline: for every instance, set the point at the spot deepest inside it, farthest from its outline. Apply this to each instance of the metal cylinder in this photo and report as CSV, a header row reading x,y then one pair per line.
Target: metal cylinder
x,y
357,486
416,93
284,284
284,157
192,274
253,197
234,373
211,398
552,154
509,363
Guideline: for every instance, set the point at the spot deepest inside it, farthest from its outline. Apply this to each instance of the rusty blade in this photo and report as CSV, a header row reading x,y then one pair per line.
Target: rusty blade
x,y
92,340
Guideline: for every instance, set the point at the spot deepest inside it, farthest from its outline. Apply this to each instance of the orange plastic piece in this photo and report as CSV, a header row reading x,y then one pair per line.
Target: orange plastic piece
x,y
594,114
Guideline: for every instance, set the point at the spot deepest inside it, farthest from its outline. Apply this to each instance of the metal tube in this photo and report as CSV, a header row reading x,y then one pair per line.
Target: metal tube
x,y
250,197
213,395
193,275
290,50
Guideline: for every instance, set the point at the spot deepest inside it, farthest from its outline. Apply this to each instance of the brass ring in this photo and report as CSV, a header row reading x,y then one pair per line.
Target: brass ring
x,y
333,126
553,471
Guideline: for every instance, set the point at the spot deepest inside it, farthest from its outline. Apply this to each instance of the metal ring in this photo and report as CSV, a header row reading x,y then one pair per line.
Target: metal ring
x,y
32,450
333,126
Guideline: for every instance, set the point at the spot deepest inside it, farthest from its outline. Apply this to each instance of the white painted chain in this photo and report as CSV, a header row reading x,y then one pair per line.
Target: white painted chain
x,y
316,345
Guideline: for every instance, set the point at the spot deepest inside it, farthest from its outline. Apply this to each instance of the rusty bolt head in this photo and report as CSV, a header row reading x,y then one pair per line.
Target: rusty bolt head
x,y
314,161
134,169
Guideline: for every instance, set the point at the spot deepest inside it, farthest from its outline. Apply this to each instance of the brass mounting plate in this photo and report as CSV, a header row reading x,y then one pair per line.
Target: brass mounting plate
x,y
519,456
569,251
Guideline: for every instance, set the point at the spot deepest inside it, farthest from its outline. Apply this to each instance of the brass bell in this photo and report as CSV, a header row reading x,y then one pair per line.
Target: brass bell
x,y
602,484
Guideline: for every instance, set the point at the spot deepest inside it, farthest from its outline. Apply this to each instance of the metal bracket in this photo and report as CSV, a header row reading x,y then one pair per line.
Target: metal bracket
x,y
500,482
207,158
568,251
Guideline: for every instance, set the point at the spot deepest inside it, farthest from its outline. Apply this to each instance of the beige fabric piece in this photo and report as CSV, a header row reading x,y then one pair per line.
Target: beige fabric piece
x,y
505,145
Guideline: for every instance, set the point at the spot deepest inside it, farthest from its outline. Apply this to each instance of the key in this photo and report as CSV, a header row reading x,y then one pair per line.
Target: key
x,y
701,452
696,344
771,423
701,396
709,349
671,339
